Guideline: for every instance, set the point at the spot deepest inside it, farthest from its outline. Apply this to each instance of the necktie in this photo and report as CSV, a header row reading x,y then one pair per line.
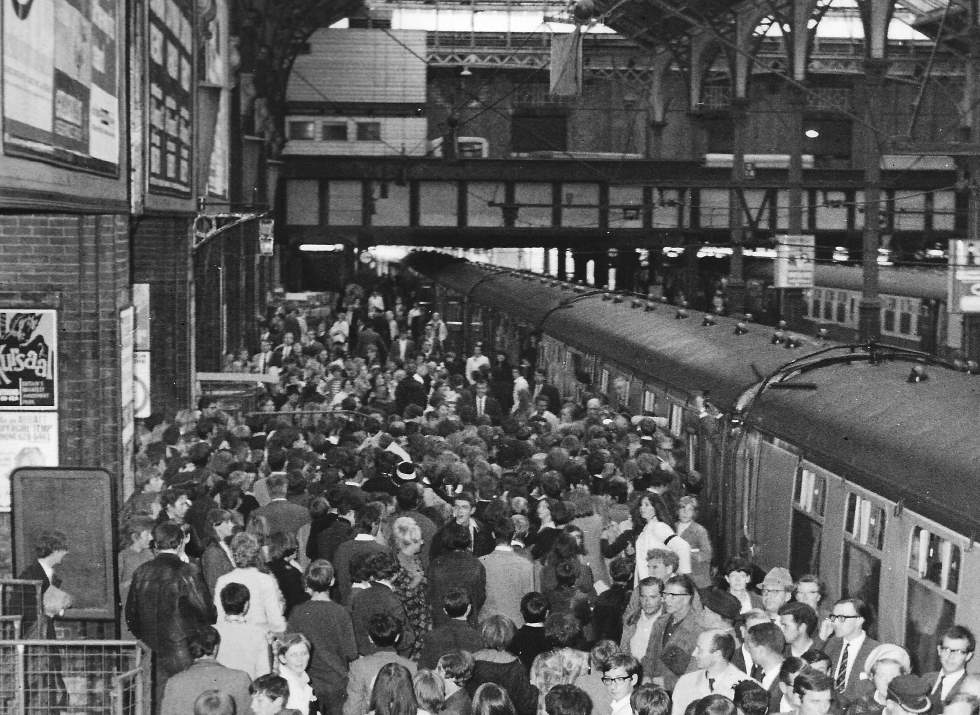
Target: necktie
x,y
757,673
711,683
840,680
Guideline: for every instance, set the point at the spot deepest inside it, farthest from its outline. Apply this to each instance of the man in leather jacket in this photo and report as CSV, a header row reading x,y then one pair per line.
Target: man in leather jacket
x,y
167,604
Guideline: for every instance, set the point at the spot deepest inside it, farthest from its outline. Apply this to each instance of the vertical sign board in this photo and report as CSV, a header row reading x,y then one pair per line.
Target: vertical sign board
x,y
28,392
963,287
794,262
141,352
61,82
170,31
216,73
79,503
126,391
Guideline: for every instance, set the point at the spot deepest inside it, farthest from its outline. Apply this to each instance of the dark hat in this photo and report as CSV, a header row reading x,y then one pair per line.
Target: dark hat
x,y
405,471
911,692
721,602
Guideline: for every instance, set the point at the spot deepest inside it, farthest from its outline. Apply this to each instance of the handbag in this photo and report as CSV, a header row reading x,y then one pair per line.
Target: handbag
x,y
56,601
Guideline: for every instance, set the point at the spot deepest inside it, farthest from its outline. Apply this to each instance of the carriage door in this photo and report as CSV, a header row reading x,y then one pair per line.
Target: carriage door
x,y
453,317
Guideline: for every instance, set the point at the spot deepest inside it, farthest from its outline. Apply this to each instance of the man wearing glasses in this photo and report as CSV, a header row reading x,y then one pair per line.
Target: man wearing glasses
x,y
621,676
955,651
849,646
674,635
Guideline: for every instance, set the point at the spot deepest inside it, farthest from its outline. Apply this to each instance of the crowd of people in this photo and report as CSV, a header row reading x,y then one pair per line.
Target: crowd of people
x,y
400,531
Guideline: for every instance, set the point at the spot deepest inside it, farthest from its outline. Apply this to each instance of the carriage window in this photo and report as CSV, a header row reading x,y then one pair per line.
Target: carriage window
x,y
865,522
935,559
813,302
676,418
842,307
908,311
649,401
828,305
809,496
888,315
861,574
810,493
928,615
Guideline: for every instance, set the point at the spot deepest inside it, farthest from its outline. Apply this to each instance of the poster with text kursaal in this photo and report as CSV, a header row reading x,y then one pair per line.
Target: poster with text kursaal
x,y
28,359
61,82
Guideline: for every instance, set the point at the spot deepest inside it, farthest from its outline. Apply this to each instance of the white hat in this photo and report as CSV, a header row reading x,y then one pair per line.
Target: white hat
x,y
405,471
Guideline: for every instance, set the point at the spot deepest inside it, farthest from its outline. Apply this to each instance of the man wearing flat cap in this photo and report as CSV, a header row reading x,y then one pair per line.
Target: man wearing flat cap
x,y
908,694
777,590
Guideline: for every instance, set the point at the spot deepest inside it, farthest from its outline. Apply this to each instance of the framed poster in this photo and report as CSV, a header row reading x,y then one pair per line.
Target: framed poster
x,y
28,359
27,439
61,82
170,42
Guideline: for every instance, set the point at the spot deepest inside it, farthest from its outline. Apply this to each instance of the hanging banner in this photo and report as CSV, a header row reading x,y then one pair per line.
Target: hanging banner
x,y
566,64
28,358
61,82
171,36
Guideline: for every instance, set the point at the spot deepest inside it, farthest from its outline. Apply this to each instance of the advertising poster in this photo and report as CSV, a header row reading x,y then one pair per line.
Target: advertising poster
x,y
170,40
27,439
61,82
28,359
216,72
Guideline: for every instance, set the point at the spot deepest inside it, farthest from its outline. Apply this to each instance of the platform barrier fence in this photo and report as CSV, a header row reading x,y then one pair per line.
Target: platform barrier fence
x,y
74,677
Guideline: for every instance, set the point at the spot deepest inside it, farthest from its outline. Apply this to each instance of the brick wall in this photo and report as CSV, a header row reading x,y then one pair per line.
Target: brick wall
x,y
80,265
160,258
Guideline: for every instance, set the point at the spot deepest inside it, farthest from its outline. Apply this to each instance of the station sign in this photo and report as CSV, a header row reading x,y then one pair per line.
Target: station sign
x,y
795,260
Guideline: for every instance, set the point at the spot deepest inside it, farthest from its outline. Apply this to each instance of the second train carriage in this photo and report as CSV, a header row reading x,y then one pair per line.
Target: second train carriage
x,y
858,475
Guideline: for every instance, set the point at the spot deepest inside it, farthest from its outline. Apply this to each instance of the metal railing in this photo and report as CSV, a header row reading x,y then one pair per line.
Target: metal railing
x,y
44,676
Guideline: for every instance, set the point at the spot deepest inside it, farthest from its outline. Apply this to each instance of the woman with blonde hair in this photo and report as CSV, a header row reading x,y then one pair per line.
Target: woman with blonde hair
x,y
561,666
410,583
266,603
430,691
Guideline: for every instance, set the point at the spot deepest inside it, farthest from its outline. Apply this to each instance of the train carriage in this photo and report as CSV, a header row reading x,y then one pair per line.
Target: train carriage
x,y
828,458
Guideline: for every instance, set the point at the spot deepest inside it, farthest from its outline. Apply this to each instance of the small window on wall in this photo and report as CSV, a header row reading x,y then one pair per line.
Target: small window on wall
x,y
368,131
334,131
302,131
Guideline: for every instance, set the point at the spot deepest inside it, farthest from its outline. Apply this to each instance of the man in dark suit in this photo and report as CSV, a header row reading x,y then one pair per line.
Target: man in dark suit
x,y
849,646
456,567
766,643
454,634
380,598
486,404
540,387
955,652
364,542
167,604
205,673
403,348
346,501
481,540
281,514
